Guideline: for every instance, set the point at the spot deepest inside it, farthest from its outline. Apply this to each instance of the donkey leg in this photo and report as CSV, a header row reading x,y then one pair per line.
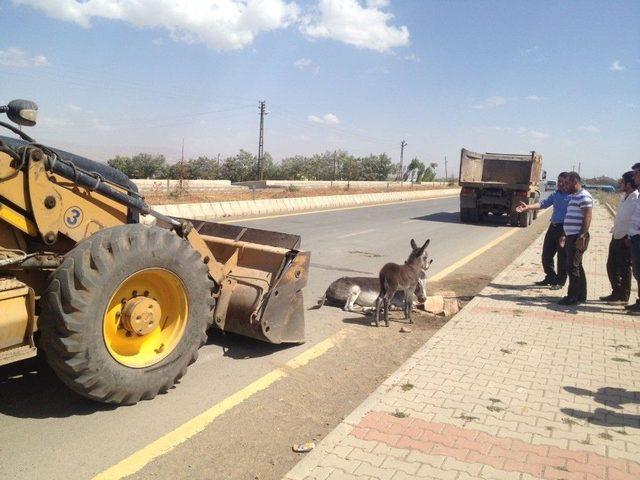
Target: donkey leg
x,y
376,314
408,306
387,304
354,293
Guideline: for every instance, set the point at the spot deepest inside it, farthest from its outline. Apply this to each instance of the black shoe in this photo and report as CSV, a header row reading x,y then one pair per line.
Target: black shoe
x,y
569,301
557,287
633,308
545,283
609,298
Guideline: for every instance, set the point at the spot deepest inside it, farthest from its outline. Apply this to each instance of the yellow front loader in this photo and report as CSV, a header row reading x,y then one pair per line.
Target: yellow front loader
x,y
119,308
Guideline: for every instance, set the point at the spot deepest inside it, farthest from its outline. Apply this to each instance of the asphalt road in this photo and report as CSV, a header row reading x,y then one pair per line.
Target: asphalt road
x,y
48,432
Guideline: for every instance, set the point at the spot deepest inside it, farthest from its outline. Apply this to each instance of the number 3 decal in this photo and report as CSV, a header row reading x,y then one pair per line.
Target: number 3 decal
x,y
73,217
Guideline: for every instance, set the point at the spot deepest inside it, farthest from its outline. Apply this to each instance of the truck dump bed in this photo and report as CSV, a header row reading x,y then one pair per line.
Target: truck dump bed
x,y
500,169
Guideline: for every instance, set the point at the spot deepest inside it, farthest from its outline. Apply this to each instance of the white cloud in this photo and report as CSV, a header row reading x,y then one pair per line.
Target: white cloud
x,y
350,22
531,133
18,58
74,108
616,66
589,128
412,58
536,134
219,24
326,119
498,101
490,102
307,63
302,62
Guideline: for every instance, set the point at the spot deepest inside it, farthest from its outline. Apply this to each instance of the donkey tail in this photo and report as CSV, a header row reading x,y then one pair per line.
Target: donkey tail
x,y
321,302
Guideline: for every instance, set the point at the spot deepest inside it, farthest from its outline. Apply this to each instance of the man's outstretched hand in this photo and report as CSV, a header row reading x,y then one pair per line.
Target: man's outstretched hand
x,y
522,207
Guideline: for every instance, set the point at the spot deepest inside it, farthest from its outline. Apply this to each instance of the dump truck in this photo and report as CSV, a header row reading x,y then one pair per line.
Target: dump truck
x,y
495,183
120,308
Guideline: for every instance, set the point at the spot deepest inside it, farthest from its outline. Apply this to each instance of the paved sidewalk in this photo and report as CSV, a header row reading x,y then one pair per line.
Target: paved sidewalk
x,y
513,387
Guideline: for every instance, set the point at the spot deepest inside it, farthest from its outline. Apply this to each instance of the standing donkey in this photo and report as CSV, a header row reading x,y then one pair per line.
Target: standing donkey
x,y
401,278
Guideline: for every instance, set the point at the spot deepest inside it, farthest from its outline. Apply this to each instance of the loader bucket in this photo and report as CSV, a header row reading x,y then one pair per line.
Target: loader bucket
x,y
262,291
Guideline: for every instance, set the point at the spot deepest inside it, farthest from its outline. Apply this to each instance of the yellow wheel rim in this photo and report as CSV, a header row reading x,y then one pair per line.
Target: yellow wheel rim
x,y
146,317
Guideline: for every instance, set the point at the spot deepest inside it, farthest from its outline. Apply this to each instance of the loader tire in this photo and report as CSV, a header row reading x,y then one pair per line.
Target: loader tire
x,y
94,313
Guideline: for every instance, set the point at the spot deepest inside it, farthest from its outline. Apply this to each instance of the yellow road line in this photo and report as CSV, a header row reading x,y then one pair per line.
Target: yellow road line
x,y
463,261
251,219
138,460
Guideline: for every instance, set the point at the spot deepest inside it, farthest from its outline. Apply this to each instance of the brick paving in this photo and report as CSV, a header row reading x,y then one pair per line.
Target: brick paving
x,y
513,387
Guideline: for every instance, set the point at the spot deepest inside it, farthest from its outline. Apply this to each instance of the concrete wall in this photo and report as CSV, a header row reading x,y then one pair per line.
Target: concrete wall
x,y
146,186
244,208
328,184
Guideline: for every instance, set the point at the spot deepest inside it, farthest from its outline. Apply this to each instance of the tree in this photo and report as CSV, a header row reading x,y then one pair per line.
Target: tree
x,y
430,173
204,168
375,167
240,168
142,165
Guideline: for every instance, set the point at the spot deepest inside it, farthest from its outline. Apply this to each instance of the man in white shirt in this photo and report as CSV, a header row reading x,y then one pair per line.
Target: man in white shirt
x,y
619,260
634,242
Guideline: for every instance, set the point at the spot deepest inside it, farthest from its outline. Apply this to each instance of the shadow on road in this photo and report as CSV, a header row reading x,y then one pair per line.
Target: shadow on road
x,y
454,217
241,348
30,389
610,397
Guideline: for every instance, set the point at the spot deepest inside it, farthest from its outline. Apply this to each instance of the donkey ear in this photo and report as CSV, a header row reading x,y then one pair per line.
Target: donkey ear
x,y
413,244
426,244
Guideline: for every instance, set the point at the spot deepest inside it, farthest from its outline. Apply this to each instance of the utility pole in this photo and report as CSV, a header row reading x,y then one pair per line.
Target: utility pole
x,y
402,145
261,141
181,169
579,167
446,171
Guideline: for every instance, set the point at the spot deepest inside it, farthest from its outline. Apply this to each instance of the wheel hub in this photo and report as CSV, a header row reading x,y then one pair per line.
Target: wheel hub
x,y
141,315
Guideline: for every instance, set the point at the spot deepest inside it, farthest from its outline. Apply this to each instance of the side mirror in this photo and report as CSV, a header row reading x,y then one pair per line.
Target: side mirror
x,y
22,112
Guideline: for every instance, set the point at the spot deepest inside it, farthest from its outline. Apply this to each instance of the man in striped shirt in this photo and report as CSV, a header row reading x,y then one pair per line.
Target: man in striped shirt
x,y
576,229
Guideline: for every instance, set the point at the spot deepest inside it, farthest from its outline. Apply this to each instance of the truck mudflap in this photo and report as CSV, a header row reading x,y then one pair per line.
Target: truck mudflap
x,y
261,293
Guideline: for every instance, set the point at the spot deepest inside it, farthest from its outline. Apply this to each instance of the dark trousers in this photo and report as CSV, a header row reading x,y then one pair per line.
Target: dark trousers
x,y
550,248
619,269
635,258
577,277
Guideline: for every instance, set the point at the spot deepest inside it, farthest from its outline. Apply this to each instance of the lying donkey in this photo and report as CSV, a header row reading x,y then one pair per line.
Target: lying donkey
x,y
401,278
363,291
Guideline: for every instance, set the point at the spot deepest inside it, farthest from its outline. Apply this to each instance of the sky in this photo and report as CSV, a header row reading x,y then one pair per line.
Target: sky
x,y
127,76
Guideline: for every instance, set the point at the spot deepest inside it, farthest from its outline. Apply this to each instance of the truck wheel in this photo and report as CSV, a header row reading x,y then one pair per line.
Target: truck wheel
x,y
126,312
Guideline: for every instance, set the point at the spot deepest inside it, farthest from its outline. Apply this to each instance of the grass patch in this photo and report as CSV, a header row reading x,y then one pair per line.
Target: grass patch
x,y
506,351
518,313
521,343
467,418
569,421
621,432
495,408
549,428
605,435
495,400
400,414
406,386
620,359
